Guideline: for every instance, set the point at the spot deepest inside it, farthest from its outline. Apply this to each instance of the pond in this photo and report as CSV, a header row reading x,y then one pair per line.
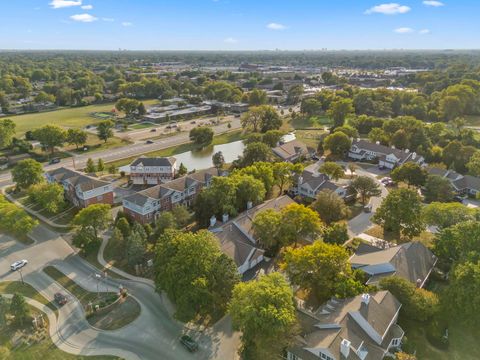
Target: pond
x,y
202,159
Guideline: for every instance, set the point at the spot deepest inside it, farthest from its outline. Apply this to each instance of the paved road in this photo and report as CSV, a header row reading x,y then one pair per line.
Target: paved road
x,y
128,151
153,335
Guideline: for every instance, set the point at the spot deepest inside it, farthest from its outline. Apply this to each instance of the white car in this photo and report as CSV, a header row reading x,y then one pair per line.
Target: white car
x,y
18,264
385,180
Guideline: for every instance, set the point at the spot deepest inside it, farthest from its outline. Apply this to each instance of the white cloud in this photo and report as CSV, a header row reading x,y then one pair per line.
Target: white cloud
x,y
108,19
389,9
87,7
58,4
433,3
404,30
424,31
126,24
86,18
230,40
276,26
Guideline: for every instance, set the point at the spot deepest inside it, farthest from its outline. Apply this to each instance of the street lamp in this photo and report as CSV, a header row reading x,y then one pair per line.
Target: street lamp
x,y
21,275
98,276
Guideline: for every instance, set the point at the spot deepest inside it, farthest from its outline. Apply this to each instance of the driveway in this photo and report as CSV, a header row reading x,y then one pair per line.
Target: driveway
x,y
153,335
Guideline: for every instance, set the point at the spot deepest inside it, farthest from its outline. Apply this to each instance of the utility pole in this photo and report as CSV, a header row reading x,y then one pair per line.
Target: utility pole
x,y
21,275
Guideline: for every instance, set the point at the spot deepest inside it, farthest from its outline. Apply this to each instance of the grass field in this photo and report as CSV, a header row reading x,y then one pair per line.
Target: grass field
x,y
12,287
77,117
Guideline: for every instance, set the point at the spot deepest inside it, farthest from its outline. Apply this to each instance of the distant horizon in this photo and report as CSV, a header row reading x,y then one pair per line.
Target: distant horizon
x,y
248,50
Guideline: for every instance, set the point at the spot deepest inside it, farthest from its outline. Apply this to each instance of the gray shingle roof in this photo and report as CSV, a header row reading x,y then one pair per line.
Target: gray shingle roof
x,y
154,161
76,179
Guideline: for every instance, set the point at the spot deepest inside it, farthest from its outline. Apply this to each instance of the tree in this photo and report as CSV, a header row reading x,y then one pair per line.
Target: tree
x,y
182,170
337,143
417,304
19,308
366,187
339,110
100,165
50,196
255,152
272,137
311,107
95,217
330,206
444,215
15,220
3,312
458,243
265,333
136,247
352,167
128,106
263,171
410,173
141,110
105,130
257,97
283,174
201,136
461,298
26,173
438,188
333,170
320,268
112,169
294,94
404,356
182,215
261,118
266,225
7,131
166,220
298,223
76,137
348,130
401,213
90,167
248,190
189,268
50,136
473,164
450,107
218,160
336,233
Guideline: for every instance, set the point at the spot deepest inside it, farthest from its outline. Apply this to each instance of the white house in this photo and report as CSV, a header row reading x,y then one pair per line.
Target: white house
x,y
152,171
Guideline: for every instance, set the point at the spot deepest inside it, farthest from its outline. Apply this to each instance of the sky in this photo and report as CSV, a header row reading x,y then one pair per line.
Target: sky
x,y
239,24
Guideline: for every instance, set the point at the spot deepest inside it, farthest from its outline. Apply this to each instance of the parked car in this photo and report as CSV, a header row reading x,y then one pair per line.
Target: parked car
x,y
18,264
54,161
153,130
189,343
149,142
193,122
367,208
60,299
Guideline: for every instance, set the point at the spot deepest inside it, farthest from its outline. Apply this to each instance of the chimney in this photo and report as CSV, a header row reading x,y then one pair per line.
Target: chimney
x,y
365,299
407,151
358,139
393,147
419,283
213,221
225,218
377,142
345,348
249,205
414,155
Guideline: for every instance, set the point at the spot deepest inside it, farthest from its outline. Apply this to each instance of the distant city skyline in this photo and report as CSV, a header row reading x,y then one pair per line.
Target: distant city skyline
x,y
239,24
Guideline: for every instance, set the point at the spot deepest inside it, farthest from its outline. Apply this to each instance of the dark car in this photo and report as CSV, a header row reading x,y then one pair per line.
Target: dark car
x,y
60,299
54,160
149,142
189,343
153,130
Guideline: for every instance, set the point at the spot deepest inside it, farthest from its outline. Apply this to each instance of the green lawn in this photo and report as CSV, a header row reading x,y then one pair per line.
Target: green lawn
x,y
12,287
95,144
377,231
77,117
142,125
171,151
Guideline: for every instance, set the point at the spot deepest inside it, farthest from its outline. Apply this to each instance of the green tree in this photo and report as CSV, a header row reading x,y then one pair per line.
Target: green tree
x,y
255,152
311,107
348,130
366,187
438,188
248,190
473,164
333,170
320,268
3,312
50,136
100,165
263,171
105,130
14,219
95,217
257,97
136,247
459,242
265,333
298,223
7,131
182,215
128,106
26,173
337,233
410,173
90,167
218,160
182,170
339,110
124,227
19,308
49,196
283,173
266,225
401,213
272,137
76,137
330,206
201,136
444,215
261,118
337,143
188,268
166,220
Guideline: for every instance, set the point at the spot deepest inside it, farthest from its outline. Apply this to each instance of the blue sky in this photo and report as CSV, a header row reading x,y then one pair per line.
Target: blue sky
x,y
239,24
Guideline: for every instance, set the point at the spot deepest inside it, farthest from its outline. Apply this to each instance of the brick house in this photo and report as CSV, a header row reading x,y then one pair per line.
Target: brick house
x,y
152,171
82,190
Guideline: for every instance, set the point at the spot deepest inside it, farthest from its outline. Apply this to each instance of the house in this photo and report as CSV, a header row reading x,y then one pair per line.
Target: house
x,y
236,237
463,185
82,190
359,328
309,184
146,205
291,151
152,171
412,261
388,157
